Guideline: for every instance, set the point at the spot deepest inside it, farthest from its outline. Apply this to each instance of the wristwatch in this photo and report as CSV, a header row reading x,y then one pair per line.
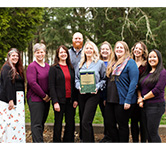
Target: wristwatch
x,y
143,98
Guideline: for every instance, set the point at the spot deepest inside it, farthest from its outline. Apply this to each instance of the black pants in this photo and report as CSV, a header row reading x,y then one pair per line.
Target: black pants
x,y
69,112
138,124
38,112
116,119
88,104
153,113
102,108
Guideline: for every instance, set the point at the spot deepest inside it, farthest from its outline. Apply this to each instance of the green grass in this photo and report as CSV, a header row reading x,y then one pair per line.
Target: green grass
x,y
97,120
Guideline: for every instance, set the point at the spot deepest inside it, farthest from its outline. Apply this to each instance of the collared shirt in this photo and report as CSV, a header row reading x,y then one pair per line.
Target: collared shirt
x,y
100,73
75,56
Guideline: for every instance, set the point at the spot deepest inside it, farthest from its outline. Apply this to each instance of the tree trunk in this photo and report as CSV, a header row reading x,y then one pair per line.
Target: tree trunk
x,y
30,52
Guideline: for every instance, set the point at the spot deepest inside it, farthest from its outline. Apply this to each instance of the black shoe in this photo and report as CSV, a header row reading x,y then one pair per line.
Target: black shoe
x,y
106,139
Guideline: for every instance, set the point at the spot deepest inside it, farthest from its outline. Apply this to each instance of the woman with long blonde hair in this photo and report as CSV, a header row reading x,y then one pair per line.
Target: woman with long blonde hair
x,y
122,78
88,101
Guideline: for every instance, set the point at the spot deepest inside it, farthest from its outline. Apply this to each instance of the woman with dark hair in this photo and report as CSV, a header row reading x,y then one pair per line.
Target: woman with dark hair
x,y
139,53
151,94
62,93
37,92
12,93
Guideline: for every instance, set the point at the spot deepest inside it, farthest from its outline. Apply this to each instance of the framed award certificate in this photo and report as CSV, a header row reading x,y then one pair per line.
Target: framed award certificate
x,y
87,81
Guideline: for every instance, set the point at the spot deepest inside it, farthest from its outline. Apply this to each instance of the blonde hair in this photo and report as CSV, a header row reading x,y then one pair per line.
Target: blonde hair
x,y
38,46
110,47
95,56
115,61
144,50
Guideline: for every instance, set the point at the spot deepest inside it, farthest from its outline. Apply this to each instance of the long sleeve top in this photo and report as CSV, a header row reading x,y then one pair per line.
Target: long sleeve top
x,y
57,88
100,73
75,57
37,81
67,76
127,82
157,89
7,87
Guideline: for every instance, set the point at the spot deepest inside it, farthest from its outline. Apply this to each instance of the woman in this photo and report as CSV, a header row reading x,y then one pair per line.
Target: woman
x,y
88,101
151,96
105,55
139,53
122,78
62,93
12,99
37,92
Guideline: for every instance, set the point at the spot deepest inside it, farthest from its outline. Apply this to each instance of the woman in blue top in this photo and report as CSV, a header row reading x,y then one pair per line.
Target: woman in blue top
x,y
88,101
105,55
122,78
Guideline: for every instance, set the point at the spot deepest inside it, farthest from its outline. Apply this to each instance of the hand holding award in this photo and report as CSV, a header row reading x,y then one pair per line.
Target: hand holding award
x,y
87,82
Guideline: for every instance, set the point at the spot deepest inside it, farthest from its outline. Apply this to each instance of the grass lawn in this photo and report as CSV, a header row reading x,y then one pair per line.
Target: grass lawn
x,y
97,120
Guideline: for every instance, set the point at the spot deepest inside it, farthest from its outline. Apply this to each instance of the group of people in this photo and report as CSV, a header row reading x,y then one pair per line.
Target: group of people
x,y
128,85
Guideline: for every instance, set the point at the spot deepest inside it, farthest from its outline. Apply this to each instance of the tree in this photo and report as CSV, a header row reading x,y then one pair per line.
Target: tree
x,y
18,27
4,25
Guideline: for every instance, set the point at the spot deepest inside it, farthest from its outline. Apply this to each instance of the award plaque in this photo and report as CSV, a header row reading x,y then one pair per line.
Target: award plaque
x,y
87,81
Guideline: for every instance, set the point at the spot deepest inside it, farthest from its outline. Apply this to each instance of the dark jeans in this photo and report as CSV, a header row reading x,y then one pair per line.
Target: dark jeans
x,y
138,124
153,113
116,120
38,112
69,112
88,104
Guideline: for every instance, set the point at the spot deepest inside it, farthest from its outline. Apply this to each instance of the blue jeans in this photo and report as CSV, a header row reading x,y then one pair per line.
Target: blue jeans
x,y
152,113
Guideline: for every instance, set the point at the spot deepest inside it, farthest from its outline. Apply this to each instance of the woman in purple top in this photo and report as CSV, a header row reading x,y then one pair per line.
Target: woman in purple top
x,y
151,95
37,92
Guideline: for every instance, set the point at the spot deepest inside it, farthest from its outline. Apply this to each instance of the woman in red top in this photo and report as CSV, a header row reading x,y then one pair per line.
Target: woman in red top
x,y
62,93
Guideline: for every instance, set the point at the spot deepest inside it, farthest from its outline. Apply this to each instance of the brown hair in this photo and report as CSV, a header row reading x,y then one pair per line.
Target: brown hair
x,y
56,60
17,68
144,50
115,61
110,47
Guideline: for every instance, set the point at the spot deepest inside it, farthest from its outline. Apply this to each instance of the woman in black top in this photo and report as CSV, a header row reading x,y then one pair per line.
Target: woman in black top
x,y
12,78
12,93
63,94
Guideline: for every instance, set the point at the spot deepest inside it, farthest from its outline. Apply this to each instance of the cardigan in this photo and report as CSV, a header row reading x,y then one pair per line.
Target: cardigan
x,y
100,73
7,87
57,88
37,81
158,89
127,82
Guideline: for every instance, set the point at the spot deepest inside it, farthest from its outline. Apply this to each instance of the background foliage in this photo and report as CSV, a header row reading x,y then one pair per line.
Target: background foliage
x,y
22,27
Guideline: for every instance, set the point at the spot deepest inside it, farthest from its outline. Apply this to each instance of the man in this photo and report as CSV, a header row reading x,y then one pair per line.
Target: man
x,y
75,57
75,51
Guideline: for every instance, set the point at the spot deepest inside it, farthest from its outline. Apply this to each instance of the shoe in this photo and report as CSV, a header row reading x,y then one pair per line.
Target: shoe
x,y
106,139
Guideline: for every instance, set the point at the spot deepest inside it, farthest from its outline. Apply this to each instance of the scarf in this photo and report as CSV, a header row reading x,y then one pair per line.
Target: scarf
x,y
118,70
